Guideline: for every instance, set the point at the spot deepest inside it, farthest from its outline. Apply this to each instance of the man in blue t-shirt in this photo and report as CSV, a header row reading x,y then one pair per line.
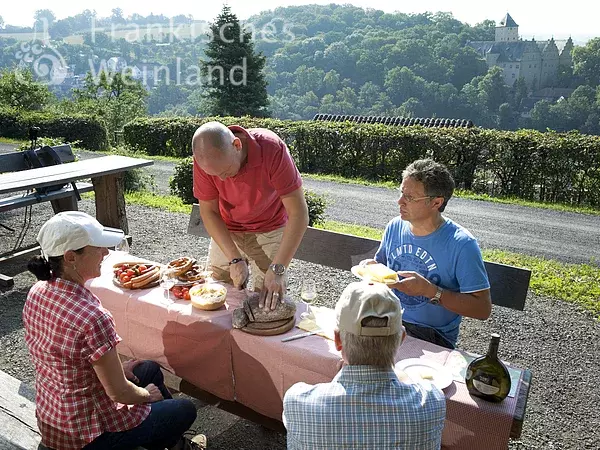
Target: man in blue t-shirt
x,y
441,271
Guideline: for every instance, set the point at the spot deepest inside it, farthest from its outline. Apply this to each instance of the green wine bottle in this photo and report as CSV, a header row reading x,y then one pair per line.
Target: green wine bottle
x,y
487,377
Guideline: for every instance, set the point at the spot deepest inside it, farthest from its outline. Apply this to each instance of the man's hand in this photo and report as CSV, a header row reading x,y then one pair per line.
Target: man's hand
x,y
414,284
274,288
128,367
366,262
239,274
155,395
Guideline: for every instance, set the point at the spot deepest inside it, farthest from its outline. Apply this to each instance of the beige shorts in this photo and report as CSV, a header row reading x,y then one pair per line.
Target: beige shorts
x,y
259,248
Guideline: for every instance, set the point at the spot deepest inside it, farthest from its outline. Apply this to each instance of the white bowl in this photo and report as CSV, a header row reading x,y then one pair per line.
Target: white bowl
x,y
208,296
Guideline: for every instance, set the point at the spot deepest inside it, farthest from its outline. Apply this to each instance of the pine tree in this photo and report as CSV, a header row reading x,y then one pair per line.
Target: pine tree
x,y
233,73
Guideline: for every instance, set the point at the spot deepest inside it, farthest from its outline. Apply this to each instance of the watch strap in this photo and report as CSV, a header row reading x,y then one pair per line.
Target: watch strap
x,y
435,300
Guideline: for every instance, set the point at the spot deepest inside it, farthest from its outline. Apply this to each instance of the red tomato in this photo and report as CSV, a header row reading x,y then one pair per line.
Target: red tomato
x,y
130,272
186,295
142,268
124,278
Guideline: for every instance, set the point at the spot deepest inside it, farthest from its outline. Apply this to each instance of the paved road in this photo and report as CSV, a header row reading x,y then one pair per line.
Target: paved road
x,y
567,237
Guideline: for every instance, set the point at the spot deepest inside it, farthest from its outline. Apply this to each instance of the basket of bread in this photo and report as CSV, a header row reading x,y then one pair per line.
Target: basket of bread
x,y
186,270
136,275
208,296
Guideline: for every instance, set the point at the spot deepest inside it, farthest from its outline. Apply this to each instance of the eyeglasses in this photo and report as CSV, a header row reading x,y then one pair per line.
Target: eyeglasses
x,y
410,199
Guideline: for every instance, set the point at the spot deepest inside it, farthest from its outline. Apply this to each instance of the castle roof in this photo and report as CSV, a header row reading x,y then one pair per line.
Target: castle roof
x,y
507,51
561,44
508,21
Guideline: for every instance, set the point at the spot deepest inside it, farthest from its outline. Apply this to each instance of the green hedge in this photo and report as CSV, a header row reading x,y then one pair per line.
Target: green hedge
x,y
90,132
553,167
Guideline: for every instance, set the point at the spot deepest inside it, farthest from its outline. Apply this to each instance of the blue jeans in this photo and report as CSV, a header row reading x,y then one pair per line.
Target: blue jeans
x,y
163,427
427,334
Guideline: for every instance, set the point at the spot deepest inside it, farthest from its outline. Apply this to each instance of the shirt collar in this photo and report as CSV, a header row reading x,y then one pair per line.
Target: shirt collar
x,y
364,374
254,148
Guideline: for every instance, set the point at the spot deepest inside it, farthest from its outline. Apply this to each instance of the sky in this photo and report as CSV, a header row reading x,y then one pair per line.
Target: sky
x,y
536,18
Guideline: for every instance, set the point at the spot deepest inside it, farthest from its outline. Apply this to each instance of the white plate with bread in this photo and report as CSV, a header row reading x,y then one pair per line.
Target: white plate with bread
x,y
420,370
378,273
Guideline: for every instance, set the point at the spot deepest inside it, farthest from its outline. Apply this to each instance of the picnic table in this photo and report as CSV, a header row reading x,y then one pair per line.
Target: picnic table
x,y
202,348
106,173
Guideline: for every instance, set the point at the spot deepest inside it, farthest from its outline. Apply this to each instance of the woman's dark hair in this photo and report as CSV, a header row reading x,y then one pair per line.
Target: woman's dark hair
x,y
45,270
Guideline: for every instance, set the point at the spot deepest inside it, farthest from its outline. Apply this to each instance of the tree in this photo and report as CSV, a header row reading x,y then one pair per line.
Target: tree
x,y
117,16
114,97
233,71
44,19
19,90
586,62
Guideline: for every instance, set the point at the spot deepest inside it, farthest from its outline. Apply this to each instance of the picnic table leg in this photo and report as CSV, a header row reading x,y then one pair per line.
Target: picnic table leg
x,y
110,201
65,204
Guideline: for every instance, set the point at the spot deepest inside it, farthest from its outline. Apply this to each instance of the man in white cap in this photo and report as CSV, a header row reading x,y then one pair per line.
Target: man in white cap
x,y
365,405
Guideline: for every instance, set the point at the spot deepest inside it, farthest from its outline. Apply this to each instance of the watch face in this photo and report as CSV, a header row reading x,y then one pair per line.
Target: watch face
x,y
278,269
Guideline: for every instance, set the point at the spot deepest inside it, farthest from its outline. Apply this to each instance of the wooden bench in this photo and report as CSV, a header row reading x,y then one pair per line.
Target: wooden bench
x,y
508,286
18,425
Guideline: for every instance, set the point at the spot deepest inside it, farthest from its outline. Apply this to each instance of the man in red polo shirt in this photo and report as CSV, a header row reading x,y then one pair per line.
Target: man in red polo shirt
x,y
252,205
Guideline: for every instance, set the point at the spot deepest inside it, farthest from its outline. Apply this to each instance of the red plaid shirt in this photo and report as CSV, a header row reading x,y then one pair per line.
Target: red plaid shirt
x,y
67,329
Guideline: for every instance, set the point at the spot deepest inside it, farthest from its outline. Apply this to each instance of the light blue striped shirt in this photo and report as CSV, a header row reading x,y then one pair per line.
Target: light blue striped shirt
x,y
364,407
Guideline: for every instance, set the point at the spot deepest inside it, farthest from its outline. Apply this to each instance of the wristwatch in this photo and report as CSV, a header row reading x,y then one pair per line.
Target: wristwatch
x,y
435,300
278,269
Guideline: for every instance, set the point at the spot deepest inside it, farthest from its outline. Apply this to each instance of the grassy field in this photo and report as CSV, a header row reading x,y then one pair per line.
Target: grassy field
x,y
24,37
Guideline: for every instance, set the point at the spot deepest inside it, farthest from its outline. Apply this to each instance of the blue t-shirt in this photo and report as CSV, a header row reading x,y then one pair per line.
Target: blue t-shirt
x,y
449,257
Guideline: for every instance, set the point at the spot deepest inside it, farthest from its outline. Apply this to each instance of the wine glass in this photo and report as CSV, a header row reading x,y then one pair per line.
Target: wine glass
x,y
309,291
122,246
308,294
167,281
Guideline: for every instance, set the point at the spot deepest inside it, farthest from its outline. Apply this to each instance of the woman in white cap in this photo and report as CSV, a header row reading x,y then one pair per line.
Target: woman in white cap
x,y
85,397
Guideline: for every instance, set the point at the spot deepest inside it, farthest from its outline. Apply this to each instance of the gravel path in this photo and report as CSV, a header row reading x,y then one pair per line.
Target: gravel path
x,y
557,341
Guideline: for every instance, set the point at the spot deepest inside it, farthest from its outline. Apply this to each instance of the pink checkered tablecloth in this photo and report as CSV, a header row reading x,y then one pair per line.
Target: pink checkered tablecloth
x,y
202,348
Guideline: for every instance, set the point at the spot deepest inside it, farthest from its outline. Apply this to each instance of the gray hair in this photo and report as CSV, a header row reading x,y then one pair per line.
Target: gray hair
x,y
370,350
213,135
436,178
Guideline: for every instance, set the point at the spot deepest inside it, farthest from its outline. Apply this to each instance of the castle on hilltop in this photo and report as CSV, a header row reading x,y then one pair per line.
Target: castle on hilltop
x,y
537,62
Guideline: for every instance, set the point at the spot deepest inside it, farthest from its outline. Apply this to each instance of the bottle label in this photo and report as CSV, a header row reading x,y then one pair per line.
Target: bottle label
x,y
485,388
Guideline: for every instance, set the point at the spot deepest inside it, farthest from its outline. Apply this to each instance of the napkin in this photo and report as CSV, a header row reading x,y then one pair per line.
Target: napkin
x,y
319,318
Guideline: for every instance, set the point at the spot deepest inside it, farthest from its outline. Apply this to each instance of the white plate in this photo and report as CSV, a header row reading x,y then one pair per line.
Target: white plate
x,y
355,272
416,367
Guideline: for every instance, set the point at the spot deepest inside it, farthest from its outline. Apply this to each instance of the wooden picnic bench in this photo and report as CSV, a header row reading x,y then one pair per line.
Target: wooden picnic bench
x,y
18,425
508,286
105,172
62,199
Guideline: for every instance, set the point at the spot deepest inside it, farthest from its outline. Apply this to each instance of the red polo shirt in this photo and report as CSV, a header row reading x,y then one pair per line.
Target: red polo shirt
x,y
250,201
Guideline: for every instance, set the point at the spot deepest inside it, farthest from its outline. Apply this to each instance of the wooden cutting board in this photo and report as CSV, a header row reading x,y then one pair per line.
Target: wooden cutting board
x,y
287,326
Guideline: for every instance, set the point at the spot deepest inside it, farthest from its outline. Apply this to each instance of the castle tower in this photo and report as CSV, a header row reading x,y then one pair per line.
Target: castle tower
x,y
508,30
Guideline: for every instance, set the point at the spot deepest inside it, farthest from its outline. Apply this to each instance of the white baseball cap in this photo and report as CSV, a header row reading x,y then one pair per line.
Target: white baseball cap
x,y
72,230
361,300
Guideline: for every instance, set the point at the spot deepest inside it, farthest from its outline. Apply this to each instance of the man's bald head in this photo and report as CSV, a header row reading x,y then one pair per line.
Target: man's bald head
x,y
212,137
